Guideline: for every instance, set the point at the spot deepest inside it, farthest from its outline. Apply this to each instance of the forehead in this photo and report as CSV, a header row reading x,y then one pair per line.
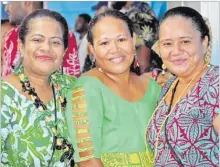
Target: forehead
x,y
109,26
177,25
45,25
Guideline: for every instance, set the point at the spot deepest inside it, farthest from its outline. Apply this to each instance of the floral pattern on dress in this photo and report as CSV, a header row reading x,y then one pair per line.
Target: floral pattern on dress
x,y
26,140
189,128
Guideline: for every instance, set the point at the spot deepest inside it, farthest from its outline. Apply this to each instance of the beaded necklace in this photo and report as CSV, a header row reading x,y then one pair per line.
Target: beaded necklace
x,y
59,142
171,111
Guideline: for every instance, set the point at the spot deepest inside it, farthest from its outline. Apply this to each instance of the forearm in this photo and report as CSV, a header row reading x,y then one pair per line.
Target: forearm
x,y
91,163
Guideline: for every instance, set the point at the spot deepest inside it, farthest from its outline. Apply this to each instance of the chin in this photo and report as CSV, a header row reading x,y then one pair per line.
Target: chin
x,y
44,70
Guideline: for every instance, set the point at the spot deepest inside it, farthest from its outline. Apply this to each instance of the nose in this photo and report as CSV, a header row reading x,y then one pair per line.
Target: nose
x,y
177,49
46,46
114,47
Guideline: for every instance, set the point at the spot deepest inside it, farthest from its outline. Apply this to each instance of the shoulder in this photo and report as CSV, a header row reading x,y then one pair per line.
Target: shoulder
x,y
9,89
150,82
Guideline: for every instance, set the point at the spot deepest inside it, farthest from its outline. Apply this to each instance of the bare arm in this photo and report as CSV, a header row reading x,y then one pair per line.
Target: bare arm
x,y
91,163
216,123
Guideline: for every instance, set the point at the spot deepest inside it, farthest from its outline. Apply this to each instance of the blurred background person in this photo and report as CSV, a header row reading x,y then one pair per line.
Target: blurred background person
x,y
146,28
6,26
17,11
81,27
101,7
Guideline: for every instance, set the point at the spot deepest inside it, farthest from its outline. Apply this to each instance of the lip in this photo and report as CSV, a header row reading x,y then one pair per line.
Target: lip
x,y
117,60
45,57
178,61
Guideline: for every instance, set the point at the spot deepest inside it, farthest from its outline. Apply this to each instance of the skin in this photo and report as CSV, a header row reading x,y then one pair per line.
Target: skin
x,y
182,50
112,39
5,28
216,123
42,53
186,47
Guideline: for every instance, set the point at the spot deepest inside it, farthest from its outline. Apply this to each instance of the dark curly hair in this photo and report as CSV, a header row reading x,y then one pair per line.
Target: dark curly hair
x,y
24,27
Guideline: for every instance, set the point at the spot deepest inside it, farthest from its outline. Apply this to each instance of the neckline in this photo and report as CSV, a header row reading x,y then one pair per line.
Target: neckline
x,y
192,88
116,95
23,96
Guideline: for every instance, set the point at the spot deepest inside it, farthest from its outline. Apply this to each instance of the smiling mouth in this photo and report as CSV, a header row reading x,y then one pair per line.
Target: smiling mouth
x,y
45,58
178,61
117,60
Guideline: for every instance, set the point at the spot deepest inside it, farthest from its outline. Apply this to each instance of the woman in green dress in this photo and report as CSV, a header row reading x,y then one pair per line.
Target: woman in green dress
x,y
33,126
109,107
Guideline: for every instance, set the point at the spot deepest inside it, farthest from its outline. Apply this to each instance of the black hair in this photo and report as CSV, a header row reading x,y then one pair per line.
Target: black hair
x,y
4,21
44,13
192,15
112,13
86,17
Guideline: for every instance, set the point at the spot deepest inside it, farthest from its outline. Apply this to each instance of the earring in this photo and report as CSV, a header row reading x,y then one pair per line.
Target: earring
x,y
164,69
100,70
207,60
136,63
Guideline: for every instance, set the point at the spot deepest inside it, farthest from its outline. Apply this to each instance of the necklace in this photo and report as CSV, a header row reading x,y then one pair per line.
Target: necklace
x,y
172,109
59,142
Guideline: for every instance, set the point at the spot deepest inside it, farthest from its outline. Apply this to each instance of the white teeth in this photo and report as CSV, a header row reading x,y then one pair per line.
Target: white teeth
x,y
117,60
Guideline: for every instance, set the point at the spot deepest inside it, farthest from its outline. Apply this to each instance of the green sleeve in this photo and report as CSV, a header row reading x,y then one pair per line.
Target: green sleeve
x,y
84,116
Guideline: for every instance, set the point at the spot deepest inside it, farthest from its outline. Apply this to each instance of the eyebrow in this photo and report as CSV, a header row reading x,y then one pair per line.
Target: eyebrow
x,y
178,38
44,36
116,37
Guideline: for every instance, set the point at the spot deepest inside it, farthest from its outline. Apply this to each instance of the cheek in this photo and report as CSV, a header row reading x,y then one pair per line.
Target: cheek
x,y
164,53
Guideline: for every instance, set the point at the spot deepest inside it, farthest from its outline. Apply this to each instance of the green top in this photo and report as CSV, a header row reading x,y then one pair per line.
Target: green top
x,y
103,125
26,139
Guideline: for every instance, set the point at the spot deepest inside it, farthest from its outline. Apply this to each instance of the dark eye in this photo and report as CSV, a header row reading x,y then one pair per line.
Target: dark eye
x,y
185,41
167,44
36,40
122,40
104,43
55,42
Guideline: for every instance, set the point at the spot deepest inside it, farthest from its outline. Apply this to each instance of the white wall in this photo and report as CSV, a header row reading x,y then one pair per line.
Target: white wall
x,y
211,10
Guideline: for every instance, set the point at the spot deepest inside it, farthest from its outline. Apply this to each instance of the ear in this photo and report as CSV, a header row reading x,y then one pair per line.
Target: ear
x,y
21,47
91,49
205,44
134,39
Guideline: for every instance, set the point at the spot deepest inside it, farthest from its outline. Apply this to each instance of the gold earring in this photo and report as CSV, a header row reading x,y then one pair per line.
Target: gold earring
x,y
164,68
207,60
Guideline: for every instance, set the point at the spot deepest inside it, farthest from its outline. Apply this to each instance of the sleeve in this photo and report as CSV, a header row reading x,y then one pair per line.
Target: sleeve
x,y
71,64
85,122
156,91
6,127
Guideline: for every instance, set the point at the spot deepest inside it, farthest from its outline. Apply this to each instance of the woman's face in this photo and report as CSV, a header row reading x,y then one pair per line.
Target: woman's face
x,y
181,47
113,45
43,49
